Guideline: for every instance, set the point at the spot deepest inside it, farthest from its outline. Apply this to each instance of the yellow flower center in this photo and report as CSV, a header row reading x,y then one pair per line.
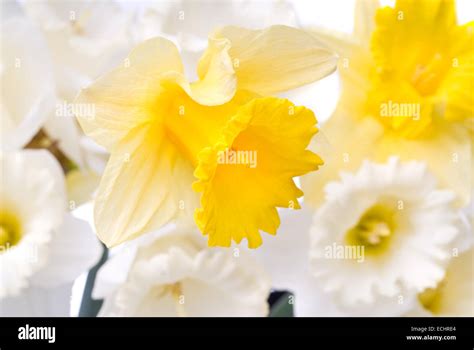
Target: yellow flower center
x,y
10,230
421,67
374,229
176,292
191,126
427,77
431,297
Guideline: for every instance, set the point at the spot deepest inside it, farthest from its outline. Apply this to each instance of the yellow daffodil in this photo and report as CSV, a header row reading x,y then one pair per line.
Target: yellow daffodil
x,y
159,128
407,74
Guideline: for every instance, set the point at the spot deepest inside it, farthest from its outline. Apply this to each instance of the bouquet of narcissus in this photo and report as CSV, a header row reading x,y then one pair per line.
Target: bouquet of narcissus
x,y
170,142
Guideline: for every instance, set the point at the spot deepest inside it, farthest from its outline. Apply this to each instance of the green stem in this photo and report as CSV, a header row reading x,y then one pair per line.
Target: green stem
x,y
90,307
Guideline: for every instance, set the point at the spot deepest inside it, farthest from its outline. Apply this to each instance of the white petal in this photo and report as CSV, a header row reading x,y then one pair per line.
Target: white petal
x,y
33,184
33,190
209,282
74,249
113,273
311,301
83,45
64,131
192,20
27,83
95,156
286,255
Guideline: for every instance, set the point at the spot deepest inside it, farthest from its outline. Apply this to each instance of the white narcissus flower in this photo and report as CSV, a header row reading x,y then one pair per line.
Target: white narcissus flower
x,y
85,39
27,87
383,235
287,262
36,93
42,247
173,273
83,46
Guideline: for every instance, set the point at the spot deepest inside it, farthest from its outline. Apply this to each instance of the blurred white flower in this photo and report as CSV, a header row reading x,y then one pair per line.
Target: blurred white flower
x,y
173,273
96,156
384,235
191,21
42,246
428,232
27,86
39,80
85,39
286,259
82,183
454,295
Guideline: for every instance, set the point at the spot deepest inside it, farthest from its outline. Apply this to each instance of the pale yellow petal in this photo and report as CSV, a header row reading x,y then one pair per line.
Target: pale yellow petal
x,y
364,20
120,100
457,89
272,60
343,142
342,44
347,141
447,151
145,185
218,84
